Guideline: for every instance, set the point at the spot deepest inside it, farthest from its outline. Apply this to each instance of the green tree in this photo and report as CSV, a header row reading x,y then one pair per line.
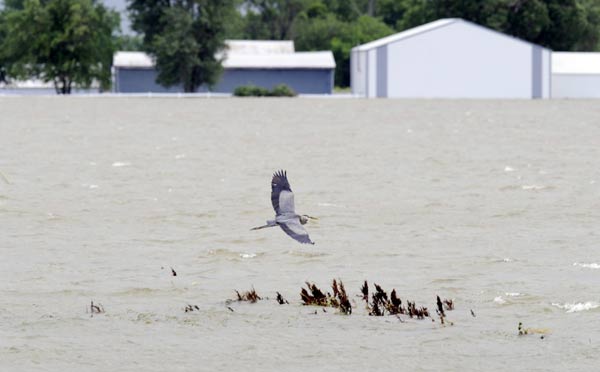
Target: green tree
x,y
345,10
185,37
559,25
273,19
489,13
66,42
340,37
568,26
556,24
147,18
527,19
3,59
591,32
129,43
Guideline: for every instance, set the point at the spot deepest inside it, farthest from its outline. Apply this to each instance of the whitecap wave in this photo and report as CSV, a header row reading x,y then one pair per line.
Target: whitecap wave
x,y
513,294
330,205
534,187
121,164
577,307
499,300
247,255
591,265
509,169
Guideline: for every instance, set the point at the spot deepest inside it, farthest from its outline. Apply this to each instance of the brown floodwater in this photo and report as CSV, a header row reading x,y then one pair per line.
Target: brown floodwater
x,y
494,204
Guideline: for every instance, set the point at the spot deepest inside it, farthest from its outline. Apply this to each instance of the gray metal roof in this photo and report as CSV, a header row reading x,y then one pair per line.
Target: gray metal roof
x,y
250,54
426,28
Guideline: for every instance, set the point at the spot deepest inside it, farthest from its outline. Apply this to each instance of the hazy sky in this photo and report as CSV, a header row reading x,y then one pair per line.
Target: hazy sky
x,y
121,6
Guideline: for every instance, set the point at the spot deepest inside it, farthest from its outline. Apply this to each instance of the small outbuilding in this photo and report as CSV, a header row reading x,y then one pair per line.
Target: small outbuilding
x,y
575,75
450,58
247,62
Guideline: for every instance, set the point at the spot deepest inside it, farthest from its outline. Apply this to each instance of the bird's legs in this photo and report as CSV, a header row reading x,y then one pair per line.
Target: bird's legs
x,y
269,224
260,227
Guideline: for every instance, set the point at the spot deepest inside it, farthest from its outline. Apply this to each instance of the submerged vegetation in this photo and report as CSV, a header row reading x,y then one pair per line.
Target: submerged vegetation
x,y
381,304
250,296
532,331
316,297
377,304
281,300
190,308
96,309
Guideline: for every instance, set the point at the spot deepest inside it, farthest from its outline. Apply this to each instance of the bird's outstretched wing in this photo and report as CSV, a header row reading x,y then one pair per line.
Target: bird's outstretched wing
x,y
282,196
296,231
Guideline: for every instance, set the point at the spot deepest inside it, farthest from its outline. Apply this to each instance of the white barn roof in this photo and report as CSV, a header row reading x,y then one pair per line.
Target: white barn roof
x,y
405,34
250,54
575,63
422,29
260,46
132,59
310,60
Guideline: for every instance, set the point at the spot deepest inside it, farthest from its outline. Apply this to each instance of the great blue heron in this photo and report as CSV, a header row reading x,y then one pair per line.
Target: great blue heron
x,y
282,199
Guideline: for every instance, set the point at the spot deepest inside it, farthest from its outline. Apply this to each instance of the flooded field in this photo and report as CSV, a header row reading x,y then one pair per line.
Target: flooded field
x,y
494,204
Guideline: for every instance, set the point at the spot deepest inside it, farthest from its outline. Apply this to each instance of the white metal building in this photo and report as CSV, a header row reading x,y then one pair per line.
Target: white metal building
x,y
247,62
450,58
575,75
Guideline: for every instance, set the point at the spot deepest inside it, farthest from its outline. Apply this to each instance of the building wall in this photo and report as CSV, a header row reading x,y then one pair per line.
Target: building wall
x,y
575,85
457,60
372,73
460,61
303,81
140,80
358,72
547,73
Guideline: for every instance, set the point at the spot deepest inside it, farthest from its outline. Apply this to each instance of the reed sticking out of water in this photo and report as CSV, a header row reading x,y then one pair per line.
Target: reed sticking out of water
x,y
190,308
440,309
96,309
340,293
365,291
531,331
447,305
315,297
4,178
250,296
522,331
381,304
281,300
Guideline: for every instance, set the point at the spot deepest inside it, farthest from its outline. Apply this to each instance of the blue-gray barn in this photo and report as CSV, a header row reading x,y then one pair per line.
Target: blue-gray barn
x,y
261,63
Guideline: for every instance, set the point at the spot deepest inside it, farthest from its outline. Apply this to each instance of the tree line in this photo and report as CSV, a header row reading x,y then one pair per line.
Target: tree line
x,y
71,42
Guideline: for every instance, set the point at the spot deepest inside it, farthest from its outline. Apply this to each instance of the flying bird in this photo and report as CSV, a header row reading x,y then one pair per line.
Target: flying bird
x,y
282,199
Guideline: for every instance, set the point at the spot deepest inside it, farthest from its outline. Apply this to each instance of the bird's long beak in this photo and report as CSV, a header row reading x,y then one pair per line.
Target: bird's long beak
x,y
259,227
312,218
